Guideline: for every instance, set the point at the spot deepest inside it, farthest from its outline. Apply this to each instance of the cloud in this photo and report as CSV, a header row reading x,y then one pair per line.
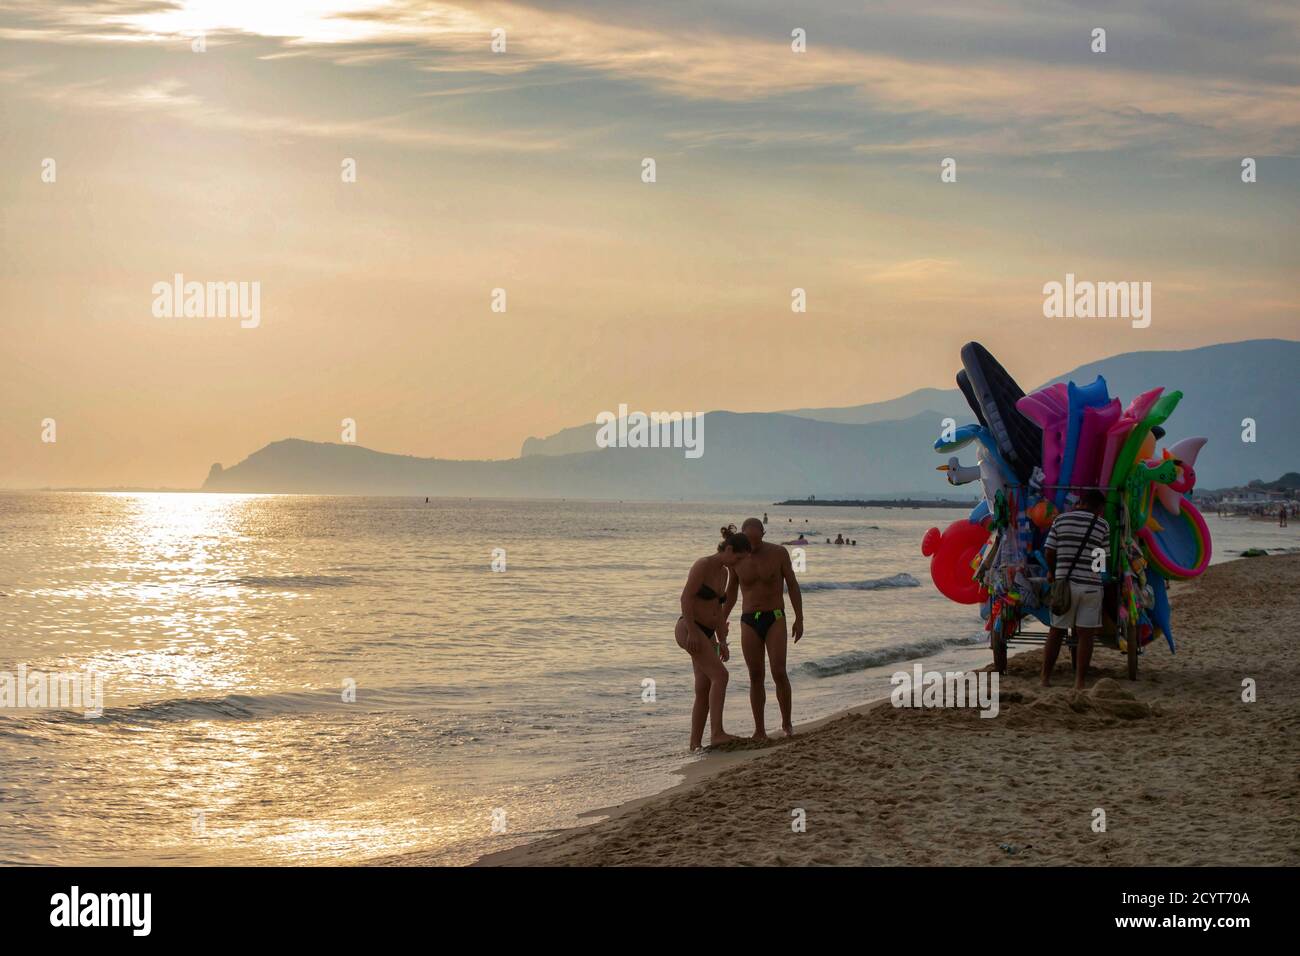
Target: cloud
x,y
1007,105
912,270
173,99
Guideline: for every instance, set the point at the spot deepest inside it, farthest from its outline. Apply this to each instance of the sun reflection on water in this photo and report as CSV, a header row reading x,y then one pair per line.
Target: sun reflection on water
x,y
176,605
161,560
224,627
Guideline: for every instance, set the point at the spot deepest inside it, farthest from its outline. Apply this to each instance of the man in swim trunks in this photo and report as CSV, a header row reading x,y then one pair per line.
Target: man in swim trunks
x,y
761,581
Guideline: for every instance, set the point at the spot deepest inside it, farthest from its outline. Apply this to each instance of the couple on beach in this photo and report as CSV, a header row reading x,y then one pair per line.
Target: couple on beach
x,y
759,572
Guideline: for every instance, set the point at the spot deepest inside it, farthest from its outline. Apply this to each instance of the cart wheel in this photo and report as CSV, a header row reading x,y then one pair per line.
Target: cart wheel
x,y
1131,639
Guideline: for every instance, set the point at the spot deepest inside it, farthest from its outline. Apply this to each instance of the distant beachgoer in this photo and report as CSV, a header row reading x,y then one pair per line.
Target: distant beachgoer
x,y
702,632
1068,548
1281,517
839,539
762,579
764,517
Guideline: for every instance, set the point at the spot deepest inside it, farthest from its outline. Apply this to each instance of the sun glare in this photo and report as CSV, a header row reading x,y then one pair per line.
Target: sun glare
x,y
313,21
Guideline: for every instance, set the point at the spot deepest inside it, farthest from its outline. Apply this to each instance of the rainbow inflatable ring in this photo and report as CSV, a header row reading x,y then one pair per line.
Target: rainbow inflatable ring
x,y
1179,545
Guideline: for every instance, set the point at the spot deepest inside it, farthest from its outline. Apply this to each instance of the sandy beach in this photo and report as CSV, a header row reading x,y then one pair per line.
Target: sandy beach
x,y
1186,772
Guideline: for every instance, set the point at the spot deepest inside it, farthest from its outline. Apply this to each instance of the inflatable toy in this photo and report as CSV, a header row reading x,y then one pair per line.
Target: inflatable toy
x,y
963,383
1184,452
995,394
1034,454
1079,400
1042,513
1117,434
1139,488
953,557
1049,409
1160,610
1097,421
1179,547
1128,452
992,471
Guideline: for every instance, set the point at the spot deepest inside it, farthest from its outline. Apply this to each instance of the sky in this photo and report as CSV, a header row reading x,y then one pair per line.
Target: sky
x,y
209,137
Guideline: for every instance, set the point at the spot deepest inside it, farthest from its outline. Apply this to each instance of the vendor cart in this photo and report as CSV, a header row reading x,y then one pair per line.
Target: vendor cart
x,y
1038,637
1028,631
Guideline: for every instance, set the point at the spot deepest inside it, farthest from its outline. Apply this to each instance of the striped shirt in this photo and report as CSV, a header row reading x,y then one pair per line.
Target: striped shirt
x,y
1067,535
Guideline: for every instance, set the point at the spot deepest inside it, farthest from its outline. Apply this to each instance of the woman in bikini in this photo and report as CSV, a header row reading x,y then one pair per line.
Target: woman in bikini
x,y
702,633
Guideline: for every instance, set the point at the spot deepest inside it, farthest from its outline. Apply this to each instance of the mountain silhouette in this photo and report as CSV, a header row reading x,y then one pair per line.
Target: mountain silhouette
x,y
858,451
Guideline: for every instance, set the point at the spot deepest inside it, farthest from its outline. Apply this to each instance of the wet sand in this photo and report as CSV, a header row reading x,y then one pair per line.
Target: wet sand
x,y
1186,772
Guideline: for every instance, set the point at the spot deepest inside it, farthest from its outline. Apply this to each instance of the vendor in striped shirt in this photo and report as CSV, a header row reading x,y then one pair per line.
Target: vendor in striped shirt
x,y
1070,550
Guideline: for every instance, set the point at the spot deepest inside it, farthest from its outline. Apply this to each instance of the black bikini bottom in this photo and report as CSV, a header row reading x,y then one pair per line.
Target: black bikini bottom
x,y
762,621
709,631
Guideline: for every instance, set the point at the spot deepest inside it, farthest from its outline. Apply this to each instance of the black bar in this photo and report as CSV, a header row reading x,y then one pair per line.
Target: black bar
x,y
258,907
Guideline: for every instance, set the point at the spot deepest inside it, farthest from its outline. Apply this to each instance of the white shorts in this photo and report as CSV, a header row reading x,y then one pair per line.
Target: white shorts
x,y
1085,607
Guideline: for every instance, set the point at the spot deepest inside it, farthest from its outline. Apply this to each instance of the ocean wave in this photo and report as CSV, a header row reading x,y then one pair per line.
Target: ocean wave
x,y
880,657
289,581
183,709
900,580
241,707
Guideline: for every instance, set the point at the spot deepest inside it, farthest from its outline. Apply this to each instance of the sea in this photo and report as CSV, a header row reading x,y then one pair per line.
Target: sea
x,y
336,680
